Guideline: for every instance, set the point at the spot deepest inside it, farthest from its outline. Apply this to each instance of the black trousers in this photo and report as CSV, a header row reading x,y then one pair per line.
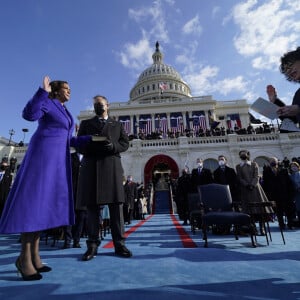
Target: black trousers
x,y
74,232
116,224
80,223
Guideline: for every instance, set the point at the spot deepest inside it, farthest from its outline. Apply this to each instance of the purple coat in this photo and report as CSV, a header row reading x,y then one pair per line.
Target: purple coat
x,y
41,196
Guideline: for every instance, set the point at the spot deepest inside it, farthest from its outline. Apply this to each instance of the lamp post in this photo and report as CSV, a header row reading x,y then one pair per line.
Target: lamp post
x,y
11,133
25,130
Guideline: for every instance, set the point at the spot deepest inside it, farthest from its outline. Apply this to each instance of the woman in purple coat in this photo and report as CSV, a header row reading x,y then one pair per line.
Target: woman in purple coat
x,y
41,196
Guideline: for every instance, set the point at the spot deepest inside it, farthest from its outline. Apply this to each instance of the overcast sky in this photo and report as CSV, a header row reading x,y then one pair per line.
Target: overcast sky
x,y
228,49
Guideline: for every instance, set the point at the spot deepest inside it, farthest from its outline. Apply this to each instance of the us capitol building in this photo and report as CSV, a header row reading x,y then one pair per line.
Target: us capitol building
x,y
169,128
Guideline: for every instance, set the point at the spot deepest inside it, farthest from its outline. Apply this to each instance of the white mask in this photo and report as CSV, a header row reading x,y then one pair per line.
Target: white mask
x,y
221,163
199,165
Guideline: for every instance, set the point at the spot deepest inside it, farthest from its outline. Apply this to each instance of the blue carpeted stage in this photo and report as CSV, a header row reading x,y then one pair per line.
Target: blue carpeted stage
x,y
162,202
168,263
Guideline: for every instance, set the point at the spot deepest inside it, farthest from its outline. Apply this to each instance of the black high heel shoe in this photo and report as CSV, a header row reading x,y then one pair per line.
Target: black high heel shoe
x,y
43,269
35,276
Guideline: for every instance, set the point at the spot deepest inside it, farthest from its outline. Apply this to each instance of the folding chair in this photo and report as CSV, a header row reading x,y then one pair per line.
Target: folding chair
x,y
218,210
195,211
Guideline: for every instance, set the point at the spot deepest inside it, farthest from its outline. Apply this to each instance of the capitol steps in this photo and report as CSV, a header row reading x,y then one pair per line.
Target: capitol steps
x,y
162,202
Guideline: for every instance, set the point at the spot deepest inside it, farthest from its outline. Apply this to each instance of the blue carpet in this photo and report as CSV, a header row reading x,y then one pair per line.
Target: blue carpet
x,y
162,202
162,267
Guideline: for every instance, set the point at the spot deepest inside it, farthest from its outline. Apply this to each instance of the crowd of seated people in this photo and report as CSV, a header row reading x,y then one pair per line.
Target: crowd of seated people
x,y
218,131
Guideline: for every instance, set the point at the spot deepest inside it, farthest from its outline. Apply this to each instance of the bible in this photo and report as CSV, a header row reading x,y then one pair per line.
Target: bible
x,y
99,138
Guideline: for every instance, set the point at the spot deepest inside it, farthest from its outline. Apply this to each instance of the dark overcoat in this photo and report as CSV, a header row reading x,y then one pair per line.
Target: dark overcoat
x,y
101,171
5,184
205,177
41,196
227,176
131,193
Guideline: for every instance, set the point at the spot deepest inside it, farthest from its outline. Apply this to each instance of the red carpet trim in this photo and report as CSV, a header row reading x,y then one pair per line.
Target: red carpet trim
x,y
187,242
128,232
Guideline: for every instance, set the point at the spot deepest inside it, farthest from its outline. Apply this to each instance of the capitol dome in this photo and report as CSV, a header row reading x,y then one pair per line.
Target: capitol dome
x,y
159,81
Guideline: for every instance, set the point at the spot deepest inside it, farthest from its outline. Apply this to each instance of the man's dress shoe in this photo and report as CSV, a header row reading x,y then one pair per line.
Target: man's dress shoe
x,y
123,252
89,254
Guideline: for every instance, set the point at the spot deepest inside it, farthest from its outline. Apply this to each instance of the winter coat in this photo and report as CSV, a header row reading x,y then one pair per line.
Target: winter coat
x,y
41,196
101,171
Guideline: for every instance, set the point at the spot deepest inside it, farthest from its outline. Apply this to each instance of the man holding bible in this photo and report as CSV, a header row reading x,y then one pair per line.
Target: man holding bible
x,y
101,177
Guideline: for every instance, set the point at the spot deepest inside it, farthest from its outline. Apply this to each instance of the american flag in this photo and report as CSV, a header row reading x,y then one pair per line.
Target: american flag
x,y
126,125
163,86
161,124
233,120
177,124
145,125
199,122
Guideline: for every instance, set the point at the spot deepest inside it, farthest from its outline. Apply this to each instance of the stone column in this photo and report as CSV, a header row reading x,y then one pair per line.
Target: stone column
x,y
207,119
169,121
184,119
131,124
153,122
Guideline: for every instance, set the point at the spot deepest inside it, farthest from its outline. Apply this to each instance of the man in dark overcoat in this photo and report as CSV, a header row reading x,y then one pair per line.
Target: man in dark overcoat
x,y
101,177
200,176
131,197
278,187
227,176
183,185
5,183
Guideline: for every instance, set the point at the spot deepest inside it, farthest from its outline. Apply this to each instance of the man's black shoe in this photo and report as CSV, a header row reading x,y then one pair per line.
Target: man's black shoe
x,y
89,254
123,252
91,250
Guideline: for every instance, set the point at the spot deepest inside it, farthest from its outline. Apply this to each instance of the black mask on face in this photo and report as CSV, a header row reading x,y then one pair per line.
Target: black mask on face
x,y
3,168
99,109
273,164
243,156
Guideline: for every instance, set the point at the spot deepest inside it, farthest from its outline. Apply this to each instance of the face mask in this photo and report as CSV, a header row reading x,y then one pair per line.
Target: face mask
x,y
273,164
3,168
99,108
221,163
243,157
200,165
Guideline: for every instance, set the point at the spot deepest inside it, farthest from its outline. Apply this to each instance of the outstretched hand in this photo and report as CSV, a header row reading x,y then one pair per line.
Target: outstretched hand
x,y
271,93
46,84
